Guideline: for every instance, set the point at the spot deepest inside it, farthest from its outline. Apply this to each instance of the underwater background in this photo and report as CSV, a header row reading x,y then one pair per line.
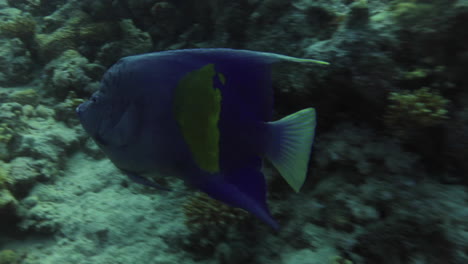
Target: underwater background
x,y
388,175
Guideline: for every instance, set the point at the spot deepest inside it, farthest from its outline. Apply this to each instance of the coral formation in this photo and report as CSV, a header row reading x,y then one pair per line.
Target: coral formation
x,y
364,151
415,109
204,214
78,32
5,133
8,256
8,202
99,33
340,260
66,73
54,44
132,41
16,63
381,243
37,7
66,109
11,124
369,198
22,26
66,37
25,97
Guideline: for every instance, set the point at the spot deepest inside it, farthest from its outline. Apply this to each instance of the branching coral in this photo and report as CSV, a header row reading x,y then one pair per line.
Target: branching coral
x,y
420,108
204,214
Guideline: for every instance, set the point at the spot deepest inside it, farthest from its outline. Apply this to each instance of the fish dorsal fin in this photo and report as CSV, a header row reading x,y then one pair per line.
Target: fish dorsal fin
x,y
289,145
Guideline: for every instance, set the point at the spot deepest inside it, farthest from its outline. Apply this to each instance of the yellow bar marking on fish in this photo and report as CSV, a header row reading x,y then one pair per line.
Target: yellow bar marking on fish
x,y
197,108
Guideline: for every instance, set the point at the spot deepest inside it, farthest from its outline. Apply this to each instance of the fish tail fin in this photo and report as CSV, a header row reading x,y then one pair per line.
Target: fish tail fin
x,y
289,145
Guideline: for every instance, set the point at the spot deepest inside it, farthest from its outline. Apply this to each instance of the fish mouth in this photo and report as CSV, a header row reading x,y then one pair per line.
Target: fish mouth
x,y
82,107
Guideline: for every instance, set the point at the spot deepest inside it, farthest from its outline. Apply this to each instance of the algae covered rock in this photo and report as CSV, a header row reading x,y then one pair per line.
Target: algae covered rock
x,y
415,109
25,97
8,202
364,151
65,111
133,41
53,44
37,7
6,135
17,25
16,64
66,73
24,174
8,256
9,114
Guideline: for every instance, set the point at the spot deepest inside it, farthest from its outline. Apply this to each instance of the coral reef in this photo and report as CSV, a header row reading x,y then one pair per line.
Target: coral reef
x,y
5,138
364,151
52,45
21,26
16,64
456,139
9,256
6,199
340,260
99,33
8,203
211,223
371,196
66,110
66,73
205,215
25,97
133,41
419,108
37,7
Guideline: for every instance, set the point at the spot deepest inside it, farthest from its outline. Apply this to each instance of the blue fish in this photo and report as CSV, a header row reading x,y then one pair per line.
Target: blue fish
x,y
203,115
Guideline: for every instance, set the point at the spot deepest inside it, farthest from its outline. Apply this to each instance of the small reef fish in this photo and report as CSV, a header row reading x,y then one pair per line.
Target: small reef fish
x,y
203,115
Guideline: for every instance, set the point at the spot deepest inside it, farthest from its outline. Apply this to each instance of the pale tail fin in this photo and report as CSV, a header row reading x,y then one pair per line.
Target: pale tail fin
x,y
290,144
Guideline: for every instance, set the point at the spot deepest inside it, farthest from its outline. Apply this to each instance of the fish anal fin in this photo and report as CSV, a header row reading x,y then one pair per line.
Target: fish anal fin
x,y
244,188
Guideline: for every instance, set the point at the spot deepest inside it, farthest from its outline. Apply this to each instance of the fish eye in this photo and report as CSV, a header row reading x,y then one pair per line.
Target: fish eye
x,y
94,99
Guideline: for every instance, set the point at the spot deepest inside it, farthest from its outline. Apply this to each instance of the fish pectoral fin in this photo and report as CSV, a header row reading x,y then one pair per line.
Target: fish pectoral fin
x,y
244,188
145,181
289,145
